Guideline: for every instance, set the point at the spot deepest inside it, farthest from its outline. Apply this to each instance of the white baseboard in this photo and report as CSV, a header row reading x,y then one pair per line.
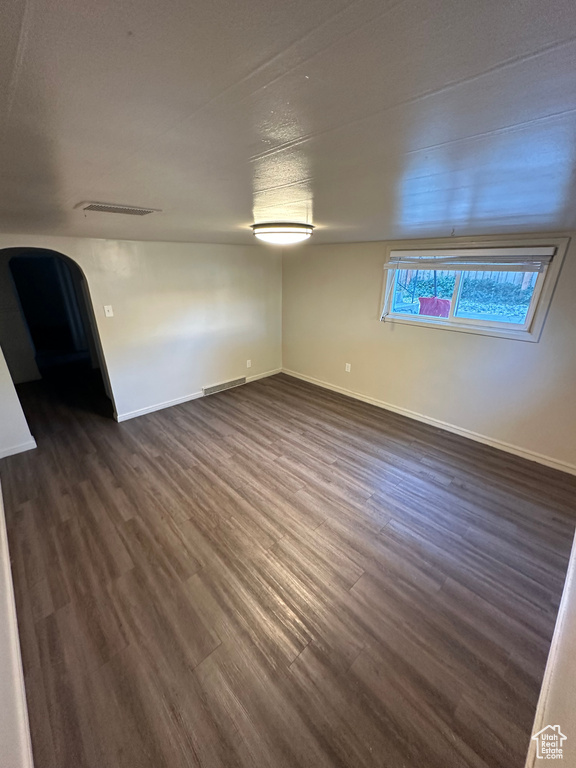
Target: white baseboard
x,y
178,401
14,725
263,375
156,407
27,446
508,447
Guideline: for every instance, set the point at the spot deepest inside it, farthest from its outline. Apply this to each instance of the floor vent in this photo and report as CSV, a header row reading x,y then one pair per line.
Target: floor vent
x,y
225,385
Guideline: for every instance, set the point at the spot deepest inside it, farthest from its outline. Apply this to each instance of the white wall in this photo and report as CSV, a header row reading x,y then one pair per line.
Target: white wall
x,y
15,744
506,391
185,315
14,432
557,702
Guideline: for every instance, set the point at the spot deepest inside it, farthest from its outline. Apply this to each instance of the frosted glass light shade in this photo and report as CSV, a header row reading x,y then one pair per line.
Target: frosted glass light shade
x,y
282,233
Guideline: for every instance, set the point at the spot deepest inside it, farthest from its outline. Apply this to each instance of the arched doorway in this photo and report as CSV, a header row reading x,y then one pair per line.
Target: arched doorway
x,y
50,338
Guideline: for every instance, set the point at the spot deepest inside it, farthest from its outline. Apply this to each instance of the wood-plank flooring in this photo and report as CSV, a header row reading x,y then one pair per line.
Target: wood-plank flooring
x,y
279,576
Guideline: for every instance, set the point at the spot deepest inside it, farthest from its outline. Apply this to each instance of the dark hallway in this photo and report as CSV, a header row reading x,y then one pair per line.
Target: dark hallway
x,y
55,308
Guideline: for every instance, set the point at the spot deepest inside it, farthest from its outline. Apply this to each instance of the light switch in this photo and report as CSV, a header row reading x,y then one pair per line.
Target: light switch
x,y
348,367
108,311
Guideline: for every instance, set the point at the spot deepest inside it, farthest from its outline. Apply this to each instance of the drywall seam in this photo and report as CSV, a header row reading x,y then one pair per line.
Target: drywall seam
x,y
20,448
508,447
178,401
11,657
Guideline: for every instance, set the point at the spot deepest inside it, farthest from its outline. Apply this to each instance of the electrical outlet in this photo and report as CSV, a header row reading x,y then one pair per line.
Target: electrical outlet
x,y
248,363
108,311
348,367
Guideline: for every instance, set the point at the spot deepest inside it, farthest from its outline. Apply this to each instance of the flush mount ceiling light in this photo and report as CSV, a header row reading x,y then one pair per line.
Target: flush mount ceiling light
x,y
282,232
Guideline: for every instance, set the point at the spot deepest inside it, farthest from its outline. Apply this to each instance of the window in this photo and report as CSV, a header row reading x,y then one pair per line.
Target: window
x,y
502,291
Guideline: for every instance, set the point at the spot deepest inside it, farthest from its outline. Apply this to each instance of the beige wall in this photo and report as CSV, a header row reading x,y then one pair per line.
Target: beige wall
x,y
14,433
185,315
506,391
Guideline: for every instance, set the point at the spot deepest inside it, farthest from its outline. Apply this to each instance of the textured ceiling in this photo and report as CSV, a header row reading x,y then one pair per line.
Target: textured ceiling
x,y
371,119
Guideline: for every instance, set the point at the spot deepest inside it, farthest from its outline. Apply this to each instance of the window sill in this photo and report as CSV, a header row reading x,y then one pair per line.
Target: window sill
x,y
503,333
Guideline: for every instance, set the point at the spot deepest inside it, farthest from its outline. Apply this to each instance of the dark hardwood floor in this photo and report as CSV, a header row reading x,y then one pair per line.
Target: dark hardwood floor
x,y
279,576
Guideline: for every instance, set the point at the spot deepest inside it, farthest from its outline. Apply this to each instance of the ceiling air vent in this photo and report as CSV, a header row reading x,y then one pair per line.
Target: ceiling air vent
x,y
129,210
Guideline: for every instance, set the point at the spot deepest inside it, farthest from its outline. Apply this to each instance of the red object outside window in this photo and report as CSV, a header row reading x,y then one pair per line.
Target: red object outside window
x,y
434,307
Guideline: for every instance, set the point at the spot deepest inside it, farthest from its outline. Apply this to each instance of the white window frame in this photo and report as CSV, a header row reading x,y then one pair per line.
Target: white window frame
x,y
530,330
